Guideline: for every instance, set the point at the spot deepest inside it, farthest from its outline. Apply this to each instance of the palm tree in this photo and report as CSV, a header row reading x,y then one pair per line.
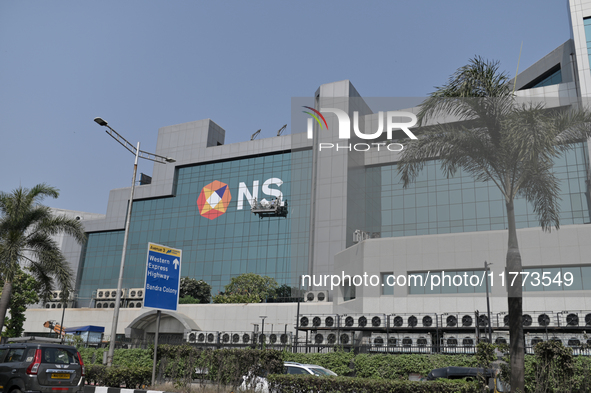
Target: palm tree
x,y
494,138
26,230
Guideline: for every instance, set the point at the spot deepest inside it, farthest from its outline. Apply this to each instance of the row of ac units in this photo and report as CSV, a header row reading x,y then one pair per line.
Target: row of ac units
x,y
383,320
316,296
331,338
237,338
540,319
124,304
58,304
131,293
56,296
574,341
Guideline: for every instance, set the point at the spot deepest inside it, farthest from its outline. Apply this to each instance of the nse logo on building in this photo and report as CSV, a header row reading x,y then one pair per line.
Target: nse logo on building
x,y
215,197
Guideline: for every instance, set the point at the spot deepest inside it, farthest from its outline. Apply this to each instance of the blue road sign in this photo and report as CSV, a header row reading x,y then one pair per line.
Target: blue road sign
x,y
163,277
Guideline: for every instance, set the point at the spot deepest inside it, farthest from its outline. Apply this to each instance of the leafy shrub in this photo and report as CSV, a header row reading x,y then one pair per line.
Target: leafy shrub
x,y
225,366
385,366
312,384
132,377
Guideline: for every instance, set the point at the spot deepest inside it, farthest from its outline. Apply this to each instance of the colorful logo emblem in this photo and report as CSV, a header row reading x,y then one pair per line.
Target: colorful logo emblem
x,y
315,116
214,200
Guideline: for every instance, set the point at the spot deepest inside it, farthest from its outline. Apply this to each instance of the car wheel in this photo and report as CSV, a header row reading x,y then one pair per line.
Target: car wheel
x,y
17,390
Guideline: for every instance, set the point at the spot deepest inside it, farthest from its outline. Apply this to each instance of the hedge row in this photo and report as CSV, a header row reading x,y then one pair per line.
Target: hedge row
x,y
122,357
313,384
131,377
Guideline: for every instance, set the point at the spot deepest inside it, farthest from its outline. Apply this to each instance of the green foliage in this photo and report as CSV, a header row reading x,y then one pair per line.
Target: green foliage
x,y
136,357
188,300
553,367
26,231
24,293
223,366
247,288
131,377
485,354
400,366
312,384
228,366
195,289
338,361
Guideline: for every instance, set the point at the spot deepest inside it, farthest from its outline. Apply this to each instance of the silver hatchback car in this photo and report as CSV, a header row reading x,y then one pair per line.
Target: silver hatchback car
x,y
40,368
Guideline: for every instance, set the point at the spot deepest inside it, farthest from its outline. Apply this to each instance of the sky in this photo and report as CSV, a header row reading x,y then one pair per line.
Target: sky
x,y
142,65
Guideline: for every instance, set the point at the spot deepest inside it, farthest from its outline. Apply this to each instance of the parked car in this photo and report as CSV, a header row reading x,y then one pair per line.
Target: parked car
x,y
40,367
260,384
490,375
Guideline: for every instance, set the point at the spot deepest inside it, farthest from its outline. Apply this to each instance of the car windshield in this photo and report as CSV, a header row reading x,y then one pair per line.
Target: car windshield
x,y
321,371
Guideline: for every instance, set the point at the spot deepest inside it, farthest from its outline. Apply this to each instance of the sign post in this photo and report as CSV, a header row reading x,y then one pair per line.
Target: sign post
x,y
162,285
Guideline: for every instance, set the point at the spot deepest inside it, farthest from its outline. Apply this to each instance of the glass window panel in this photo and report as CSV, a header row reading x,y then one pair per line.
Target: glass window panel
x,y
387,289
577,281
586,277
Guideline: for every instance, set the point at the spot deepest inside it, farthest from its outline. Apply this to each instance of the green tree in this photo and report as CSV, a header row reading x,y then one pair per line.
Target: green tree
x,y
24,292
196,289
247,288
497,139
26,230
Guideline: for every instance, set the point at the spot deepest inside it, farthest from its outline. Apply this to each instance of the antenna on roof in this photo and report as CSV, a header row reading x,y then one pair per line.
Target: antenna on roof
x,y
281,130
253,137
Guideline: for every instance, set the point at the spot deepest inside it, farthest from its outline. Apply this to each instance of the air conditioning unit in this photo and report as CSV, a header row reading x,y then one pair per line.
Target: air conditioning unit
x,y
483,320
466,320
135,293
324,338
206,337
569,319
104,294
319,321
377,320
262,338
134,304
105,304
285,338
192,337
500,338
411,320
350,321
543,319
459,343
527,319
451,320
346,338
414,343
468,342
385,342
246,338
226,338
575,341
316,296
532,339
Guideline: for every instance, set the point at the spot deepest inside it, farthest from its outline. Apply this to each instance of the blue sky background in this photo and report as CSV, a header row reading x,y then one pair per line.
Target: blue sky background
x,y
142,65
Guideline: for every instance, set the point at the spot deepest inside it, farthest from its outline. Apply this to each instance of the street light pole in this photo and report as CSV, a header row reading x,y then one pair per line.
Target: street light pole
x,y
262,330
486,268
138,153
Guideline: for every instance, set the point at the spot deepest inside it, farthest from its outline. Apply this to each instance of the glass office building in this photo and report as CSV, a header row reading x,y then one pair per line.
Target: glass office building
x,y
217,249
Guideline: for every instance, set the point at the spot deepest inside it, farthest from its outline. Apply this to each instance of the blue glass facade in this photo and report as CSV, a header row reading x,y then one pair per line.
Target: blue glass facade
x,y
435,204
213,250
553,79
587,23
